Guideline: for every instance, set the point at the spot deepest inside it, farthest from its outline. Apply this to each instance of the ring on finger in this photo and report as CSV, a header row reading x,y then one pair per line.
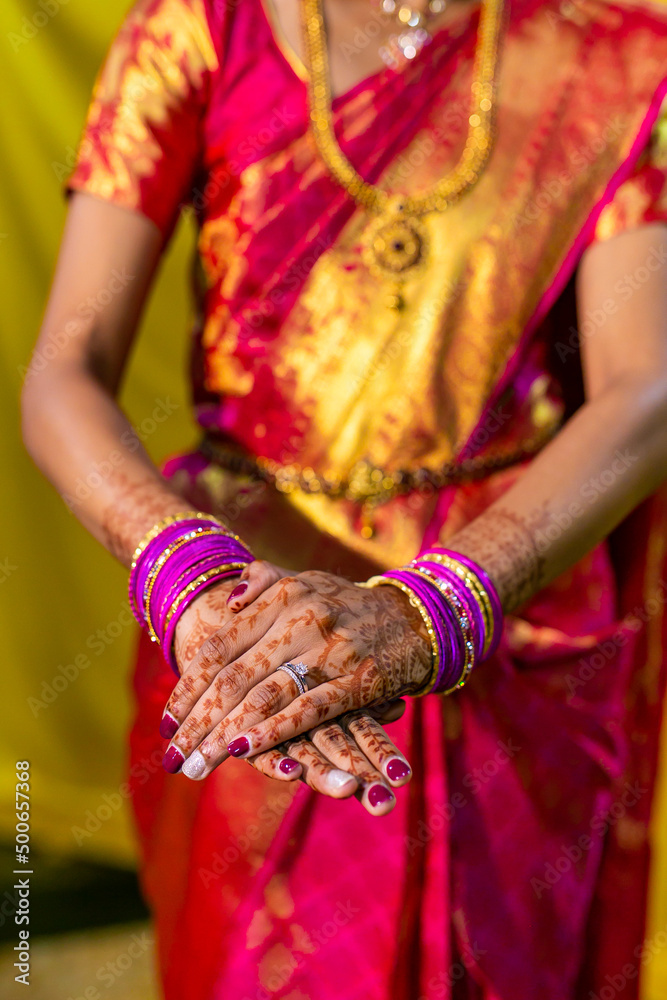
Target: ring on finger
x,y
297,671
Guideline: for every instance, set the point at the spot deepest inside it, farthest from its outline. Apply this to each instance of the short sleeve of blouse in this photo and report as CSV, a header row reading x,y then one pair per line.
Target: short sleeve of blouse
x,y
142,136
642,198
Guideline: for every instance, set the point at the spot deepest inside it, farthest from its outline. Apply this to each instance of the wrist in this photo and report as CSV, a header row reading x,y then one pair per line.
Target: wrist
x,y
176,562
204,613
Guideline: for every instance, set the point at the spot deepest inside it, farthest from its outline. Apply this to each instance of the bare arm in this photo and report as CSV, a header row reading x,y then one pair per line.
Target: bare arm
x,y
72,424
613,452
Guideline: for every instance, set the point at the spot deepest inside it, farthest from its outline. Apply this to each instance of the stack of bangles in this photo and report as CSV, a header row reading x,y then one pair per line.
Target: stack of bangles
x,y
460,608
173,563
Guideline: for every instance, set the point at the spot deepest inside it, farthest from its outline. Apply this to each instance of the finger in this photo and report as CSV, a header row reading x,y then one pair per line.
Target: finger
x,y
319,773
197,759
250,632
223,686
257,577
275,764
374,743
324,702
390,711
339,748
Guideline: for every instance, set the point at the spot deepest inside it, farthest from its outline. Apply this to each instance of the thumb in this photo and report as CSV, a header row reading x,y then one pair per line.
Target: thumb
x,y
257,577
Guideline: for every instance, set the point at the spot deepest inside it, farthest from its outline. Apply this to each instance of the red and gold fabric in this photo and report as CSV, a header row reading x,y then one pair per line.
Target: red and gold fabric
x,y
501,873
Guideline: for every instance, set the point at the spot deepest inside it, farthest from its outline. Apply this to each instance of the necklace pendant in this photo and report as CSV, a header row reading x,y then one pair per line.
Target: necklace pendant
x,y
396,301
396,246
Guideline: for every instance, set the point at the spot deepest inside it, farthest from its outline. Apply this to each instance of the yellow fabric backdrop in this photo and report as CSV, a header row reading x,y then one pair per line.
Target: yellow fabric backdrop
x,y
62,599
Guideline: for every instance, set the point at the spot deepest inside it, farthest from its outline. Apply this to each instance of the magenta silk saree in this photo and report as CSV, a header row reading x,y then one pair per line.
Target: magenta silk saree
x,y
515,864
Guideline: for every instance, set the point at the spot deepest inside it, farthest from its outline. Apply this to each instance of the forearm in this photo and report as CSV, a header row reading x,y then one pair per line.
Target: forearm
x,y
607,458
83,443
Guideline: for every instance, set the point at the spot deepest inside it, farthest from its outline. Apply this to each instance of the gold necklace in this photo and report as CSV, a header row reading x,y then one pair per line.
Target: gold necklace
x,y
396,243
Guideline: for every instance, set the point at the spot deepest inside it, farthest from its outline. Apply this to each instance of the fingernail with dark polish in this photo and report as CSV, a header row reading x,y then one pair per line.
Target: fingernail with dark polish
x,y
397,769
288,766
239,747
237,591
168,726
172,760
378,794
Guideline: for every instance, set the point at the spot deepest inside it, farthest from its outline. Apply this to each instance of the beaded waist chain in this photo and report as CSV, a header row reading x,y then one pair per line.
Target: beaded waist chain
x,y
366,484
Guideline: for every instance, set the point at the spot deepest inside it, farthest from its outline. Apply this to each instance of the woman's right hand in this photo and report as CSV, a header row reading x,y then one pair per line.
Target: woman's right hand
x,y
348,756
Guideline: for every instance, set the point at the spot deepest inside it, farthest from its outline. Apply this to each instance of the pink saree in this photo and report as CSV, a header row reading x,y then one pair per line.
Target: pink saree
x,y
502,871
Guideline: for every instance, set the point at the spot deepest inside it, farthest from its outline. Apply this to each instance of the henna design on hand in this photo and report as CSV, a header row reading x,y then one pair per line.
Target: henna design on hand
x,y
137,506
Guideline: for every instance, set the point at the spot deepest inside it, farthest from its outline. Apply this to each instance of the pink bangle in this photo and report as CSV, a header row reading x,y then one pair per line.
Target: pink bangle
x,y
184,600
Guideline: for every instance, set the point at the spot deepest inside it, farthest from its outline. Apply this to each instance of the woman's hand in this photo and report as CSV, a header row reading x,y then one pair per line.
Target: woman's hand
x,y
362,648
350,756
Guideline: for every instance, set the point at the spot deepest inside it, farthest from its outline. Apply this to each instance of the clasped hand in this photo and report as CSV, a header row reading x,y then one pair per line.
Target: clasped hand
x,y
363,648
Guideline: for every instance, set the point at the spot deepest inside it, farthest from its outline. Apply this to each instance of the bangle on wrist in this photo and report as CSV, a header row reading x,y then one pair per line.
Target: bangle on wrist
x,y
173,563
459,605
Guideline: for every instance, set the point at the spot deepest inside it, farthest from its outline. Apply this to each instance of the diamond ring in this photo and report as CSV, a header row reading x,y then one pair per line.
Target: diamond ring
x,y
297,672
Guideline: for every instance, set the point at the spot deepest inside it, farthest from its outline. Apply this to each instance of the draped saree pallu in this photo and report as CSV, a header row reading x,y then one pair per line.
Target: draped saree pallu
x,y
502,871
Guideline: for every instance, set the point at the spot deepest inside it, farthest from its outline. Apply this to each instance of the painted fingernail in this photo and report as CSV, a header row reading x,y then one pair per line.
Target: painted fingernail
x,y
288,766
378,795
337,780
172,760
237,591
168,726
397,769
195,765
239,747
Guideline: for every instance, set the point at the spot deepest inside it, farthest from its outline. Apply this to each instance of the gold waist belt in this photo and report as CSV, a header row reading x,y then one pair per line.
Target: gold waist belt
x,y
366,484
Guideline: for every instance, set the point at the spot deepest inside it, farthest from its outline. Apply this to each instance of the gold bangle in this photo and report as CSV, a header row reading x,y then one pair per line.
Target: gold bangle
x,y
202,578
473,584
172,519
463,619
418,604
159,563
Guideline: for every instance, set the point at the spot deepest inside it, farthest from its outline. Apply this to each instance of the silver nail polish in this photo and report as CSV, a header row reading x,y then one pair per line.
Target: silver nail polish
x,y
194,766
336,780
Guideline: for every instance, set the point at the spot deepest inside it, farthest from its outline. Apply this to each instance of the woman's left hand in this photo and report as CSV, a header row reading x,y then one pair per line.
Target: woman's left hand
x,y
362,647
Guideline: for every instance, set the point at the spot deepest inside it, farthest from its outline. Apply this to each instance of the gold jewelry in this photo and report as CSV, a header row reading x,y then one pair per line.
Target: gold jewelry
x,y
463,619
159,563
397,242
186,515
418,604
367,484
202,578
473,584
